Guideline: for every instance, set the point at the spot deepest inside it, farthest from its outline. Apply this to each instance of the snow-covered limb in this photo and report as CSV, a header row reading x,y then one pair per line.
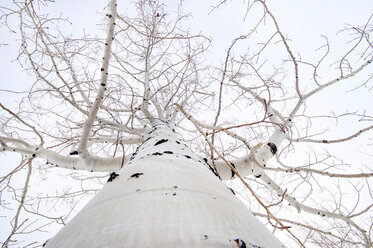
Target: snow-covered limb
x,y
90,163
260,154
310,227
244,166
302,207
270,148
320,172
146,96
325,141
342,77
82,149
16,142
323,86
257,159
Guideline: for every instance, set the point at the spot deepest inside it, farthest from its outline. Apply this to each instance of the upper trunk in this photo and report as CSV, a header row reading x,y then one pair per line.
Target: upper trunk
x,y
164,197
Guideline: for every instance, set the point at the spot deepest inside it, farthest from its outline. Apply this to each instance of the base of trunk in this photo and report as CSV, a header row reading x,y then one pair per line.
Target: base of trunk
x,y
160,202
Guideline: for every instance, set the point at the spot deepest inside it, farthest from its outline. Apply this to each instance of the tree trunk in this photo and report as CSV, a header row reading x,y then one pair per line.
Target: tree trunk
x,y
165,196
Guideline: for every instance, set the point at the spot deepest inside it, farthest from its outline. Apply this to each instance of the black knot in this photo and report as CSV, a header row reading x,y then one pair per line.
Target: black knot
x,y
136,175
240,243
273,148
160,142
112,176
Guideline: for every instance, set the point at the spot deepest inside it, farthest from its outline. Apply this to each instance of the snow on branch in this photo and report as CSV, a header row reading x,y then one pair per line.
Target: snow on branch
x,y
313,228
326,141
303,207
320,172
92,163
82,149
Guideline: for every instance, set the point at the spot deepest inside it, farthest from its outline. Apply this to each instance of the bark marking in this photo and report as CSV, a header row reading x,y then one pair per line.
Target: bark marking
x,y
241,243
234,166
136,175
160,142
113,175
273,148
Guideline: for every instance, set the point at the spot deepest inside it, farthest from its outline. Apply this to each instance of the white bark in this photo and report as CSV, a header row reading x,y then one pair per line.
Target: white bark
x,y
92,163
165,196
82,149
